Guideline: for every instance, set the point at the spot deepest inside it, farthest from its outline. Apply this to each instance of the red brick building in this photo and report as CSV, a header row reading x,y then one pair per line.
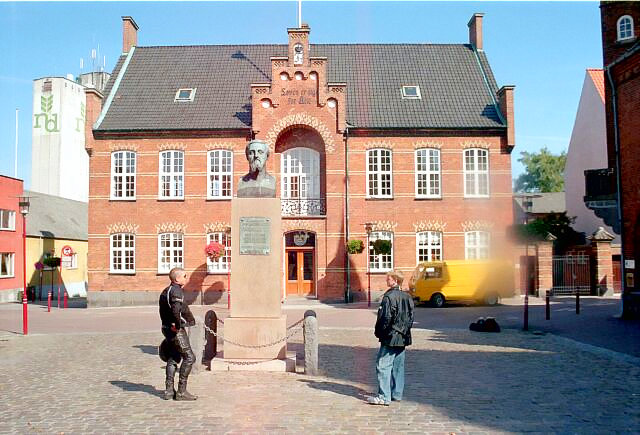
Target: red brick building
x,y
11,252
617,187
412,139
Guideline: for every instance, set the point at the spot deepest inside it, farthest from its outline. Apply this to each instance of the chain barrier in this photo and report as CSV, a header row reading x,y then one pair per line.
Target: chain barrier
x,y
258,346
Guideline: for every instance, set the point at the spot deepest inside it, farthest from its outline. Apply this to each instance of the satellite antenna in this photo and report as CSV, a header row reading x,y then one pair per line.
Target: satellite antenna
x,y
93,59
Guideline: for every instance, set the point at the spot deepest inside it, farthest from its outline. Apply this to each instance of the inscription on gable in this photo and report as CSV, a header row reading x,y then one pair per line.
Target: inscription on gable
x,y
299,96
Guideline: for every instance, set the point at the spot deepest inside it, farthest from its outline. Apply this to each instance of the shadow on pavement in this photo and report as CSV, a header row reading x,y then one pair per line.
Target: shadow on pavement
x,y
147,348
131,386
343,389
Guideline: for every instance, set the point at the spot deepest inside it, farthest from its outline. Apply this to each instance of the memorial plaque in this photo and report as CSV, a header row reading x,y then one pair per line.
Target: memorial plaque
x,y
255,236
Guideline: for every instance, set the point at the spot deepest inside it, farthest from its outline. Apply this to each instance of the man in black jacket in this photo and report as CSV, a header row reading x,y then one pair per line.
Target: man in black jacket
x,y
174,311
393,329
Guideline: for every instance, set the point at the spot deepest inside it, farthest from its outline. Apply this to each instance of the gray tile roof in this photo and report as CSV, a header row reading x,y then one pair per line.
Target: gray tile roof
x,y
543,203
457,86
55,217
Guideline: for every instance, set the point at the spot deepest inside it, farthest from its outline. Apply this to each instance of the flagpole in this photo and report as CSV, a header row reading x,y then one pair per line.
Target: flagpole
x,y
299,14
15,168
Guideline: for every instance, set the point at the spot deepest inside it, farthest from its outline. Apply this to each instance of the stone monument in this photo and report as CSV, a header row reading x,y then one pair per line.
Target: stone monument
x,y
256,317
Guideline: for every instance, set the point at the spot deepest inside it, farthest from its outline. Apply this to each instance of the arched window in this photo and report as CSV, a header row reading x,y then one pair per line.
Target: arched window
x,y
625,27
300,186
476,244
429,246
122,253
476,172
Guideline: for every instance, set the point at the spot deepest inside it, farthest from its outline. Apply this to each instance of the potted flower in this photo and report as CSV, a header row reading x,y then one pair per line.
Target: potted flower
x,y
355,246
214,250
381,246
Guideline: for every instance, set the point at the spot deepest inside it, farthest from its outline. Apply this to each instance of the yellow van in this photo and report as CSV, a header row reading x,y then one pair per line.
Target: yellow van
x,y
476,281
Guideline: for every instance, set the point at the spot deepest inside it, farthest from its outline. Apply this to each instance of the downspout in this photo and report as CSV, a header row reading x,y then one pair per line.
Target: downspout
x,y
347,293
616,145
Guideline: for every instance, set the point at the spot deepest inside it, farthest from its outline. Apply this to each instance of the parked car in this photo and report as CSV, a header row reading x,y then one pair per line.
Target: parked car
x,y
474,281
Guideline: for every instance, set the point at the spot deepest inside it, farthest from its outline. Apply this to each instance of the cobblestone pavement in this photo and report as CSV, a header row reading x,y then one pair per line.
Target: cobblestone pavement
x,y
457,382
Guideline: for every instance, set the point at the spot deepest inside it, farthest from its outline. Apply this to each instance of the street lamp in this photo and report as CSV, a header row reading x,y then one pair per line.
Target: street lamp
x,y
368,227
23,203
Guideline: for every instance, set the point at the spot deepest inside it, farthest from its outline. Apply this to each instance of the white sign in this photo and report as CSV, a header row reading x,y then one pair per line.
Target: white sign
x,y
67,251
629,264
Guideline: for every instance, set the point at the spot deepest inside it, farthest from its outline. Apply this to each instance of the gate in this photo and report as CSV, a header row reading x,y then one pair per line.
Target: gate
x,y
571,275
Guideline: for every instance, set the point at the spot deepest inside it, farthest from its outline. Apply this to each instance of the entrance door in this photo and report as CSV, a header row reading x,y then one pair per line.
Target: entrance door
x,y
299,272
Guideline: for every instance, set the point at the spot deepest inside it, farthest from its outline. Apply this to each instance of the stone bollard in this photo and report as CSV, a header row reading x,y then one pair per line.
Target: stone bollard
x,y
310,343
196,339
211,341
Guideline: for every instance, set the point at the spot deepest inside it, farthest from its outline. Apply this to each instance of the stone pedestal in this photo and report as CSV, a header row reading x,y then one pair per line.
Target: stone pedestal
x,y
256,281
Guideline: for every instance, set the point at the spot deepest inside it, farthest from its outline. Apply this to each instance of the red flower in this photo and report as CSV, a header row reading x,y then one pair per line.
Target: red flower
x,y
214,250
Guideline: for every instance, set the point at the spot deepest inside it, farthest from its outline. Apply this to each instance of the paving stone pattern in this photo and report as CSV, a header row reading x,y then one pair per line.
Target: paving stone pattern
x,y
457,382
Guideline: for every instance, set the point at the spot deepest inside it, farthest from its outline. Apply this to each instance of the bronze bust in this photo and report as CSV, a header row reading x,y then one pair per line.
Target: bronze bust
x,y
257,183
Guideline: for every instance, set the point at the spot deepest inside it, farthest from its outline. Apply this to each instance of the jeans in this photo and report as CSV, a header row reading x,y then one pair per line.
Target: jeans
x,y
390,371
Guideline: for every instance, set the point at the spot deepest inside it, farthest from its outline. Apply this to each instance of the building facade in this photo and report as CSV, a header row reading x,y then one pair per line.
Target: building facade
x,y
617,186
406,142
11,232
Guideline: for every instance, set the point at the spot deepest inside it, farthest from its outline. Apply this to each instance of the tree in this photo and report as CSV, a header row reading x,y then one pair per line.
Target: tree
x,y
544,172
557,224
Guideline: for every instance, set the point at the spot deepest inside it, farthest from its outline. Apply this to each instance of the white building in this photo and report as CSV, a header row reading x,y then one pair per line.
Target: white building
x,y
59,162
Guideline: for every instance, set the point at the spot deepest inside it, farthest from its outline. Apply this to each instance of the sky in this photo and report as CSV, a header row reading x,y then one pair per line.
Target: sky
x,y
543,48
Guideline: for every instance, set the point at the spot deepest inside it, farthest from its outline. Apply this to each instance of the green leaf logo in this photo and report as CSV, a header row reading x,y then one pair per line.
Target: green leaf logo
x,y
46,103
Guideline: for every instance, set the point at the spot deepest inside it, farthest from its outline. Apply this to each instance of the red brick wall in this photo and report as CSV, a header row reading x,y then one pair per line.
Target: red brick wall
x,y
11,241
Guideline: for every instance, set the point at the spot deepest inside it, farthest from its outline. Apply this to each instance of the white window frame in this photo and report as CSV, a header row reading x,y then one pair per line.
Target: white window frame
x,y
221,265
220,175
124,251
11,220
430,171
620,30
175,178
376,174
430,237
126,177
377,262
474,249
475,172
300,166
405,96
175,251
8,259
192,95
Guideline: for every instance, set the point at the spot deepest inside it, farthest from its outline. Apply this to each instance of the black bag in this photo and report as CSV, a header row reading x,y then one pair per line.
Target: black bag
x,y
485,325
167,350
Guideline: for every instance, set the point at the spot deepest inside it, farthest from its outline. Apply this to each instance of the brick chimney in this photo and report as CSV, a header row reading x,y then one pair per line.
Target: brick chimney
x,y
129,34
505,100
475,30
94,107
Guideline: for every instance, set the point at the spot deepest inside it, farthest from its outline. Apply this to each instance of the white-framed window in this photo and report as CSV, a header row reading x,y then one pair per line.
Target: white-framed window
x,y
625,27
70,261
7,220
6,264
300,169
221,265
123,175
171,175
220,174
429,246
476,245
476,172
379,180
185,94
411,92
428,173
380,262
122,257
170,251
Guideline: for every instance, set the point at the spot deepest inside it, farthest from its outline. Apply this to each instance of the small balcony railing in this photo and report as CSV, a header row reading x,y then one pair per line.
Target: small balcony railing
x,y
600,188
304,206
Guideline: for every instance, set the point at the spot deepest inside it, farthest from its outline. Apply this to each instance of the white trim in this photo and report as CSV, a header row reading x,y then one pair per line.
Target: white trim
x,y
124,174
11,222
12,258
475,172
124,250
176,179
192,95
379,259
223,154
378,173
428,173
429,246
173,252
476,245
625,38
418,95
301,165
221,264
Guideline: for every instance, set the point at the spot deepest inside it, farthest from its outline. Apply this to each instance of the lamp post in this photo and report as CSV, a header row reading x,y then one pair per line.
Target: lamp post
x,y
527,204
24,210
368,226
227,244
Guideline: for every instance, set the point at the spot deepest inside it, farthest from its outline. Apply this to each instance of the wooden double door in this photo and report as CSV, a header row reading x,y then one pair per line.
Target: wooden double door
x,y
300,269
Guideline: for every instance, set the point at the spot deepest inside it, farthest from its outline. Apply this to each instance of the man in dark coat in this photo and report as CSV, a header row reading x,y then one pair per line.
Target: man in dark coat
x,y
176,316
393,329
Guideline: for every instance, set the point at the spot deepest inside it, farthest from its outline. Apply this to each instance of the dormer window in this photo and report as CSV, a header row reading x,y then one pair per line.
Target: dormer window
x,y
411,93
625,27
185,94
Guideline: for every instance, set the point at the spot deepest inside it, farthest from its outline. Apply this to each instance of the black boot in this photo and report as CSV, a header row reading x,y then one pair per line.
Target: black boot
x,y
182,393
169,391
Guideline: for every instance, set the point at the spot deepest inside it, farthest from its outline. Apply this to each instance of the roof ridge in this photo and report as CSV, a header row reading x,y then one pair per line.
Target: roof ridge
x,y
381,44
